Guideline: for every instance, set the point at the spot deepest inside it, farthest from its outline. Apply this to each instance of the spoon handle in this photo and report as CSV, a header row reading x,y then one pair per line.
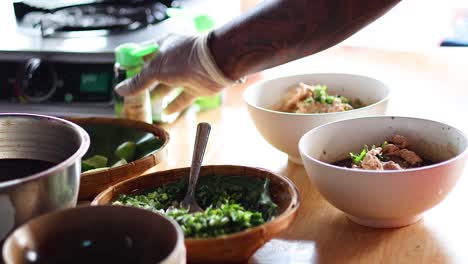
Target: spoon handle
x,y
201,139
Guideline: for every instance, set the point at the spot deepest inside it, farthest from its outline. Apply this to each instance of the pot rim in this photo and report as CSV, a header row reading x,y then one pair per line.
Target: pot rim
x,y
80,152
179,245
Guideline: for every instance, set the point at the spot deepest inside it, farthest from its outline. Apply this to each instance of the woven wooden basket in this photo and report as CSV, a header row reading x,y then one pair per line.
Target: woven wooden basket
x,y
93,183
237,247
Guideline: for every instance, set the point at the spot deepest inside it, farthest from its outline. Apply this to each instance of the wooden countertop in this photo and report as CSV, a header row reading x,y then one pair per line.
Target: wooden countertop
x,y
430,84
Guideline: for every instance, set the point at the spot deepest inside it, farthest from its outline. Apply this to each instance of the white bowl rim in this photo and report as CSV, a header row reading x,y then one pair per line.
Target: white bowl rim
x,y
244,95
423,168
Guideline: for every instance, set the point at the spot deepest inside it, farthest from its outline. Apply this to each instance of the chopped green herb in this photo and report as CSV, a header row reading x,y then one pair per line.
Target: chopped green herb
x,y
343,99
358,158
232,204
330,99
384,144
320,93
309,100
228,218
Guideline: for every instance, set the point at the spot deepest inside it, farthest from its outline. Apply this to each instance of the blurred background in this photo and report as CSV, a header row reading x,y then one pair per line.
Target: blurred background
x,y
57,56
413,25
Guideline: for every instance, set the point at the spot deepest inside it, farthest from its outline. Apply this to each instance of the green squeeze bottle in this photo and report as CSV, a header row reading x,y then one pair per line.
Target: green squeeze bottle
x,y
128,62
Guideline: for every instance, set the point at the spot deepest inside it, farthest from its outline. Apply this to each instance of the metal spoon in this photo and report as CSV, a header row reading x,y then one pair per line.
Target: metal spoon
x,y
201,139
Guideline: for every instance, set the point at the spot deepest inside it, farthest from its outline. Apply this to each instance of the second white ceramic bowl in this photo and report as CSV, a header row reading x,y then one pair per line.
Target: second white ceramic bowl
x,y
384,198
283,130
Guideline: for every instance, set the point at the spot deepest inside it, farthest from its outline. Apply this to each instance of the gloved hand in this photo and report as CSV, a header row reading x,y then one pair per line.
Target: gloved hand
x,y
182,61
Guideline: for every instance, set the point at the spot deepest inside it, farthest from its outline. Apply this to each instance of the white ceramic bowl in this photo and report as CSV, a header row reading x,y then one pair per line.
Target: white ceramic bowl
x,y
283,130
384,198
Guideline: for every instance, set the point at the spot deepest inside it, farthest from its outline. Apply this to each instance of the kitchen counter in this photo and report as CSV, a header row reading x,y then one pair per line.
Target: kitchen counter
x,y
430,84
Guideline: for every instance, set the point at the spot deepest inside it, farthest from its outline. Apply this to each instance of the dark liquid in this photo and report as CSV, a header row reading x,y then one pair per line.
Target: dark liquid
x,y
344,163
119,251
98,247
11,169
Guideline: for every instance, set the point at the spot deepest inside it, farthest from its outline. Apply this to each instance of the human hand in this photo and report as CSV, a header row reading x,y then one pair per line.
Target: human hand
x,y
182,61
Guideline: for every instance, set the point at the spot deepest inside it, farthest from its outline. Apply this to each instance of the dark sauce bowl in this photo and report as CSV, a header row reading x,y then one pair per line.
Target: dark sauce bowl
x,y
97,234
40,167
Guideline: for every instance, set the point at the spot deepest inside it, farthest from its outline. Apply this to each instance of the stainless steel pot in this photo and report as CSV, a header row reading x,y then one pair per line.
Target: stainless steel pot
x,y
27,136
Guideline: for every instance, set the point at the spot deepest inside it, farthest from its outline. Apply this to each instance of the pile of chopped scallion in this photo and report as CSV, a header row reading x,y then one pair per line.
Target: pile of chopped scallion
x,y
231,203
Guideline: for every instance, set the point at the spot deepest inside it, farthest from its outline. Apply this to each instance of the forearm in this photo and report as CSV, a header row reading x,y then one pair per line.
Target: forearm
x,y
279,31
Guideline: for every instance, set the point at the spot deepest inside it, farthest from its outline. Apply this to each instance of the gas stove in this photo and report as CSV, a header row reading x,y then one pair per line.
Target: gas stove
x,y
89,19
85,30
58,55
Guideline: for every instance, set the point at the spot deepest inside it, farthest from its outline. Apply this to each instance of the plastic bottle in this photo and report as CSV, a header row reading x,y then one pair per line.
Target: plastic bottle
x,y
161,96
129,59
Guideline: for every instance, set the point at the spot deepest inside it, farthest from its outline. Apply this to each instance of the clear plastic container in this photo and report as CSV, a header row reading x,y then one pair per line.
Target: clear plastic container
x,y
129,61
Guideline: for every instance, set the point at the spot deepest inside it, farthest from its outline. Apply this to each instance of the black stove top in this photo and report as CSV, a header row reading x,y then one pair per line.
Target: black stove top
x,y
89,31
92,18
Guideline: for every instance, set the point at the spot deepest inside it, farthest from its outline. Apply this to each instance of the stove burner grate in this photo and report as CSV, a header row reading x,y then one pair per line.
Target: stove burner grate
x,y
96,17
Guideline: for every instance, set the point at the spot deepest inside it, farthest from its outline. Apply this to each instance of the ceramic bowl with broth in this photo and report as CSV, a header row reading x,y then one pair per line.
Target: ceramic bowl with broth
x,y
97,234
283,129
384,198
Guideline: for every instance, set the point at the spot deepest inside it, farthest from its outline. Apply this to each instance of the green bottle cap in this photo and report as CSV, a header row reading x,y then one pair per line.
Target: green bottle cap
x,y
132,54
202,22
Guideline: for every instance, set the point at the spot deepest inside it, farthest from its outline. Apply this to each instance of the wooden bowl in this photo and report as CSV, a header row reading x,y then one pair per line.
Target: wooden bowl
x,y
97,234
92,183
236,247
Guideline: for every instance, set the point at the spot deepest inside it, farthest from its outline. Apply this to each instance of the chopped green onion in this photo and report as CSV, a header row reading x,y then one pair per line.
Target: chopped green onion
x,y
343,99
358,158
232,204
384,144
309,100
330,99
320,93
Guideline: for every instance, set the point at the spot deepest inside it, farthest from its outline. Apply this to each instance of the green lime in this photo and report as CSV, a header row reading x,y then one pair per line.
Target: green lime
x,y
119,163
96,161
147,144
126,150
97,170
85,167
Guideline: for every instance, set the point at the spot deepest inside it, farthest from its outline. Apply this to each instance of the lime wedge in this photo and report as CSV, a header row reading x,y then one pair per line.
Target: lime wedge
x,y
96,170
126,150
147,145
86,167
119,163
96,161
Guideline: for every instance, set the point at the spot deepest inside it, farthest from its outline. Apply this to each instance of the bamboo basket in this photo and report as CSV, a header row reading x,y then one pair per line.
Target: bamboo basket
x,y
93,183
236,247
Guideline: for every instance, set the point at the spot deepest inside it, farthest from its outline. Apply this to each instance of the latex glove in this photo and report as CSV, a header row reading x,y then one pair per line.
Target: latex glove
x,y
182,61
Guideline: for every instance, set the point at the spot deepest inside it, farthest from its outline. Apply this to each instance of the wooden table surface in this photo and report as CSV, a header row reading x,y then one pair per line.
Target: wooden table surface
x,y
430,84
